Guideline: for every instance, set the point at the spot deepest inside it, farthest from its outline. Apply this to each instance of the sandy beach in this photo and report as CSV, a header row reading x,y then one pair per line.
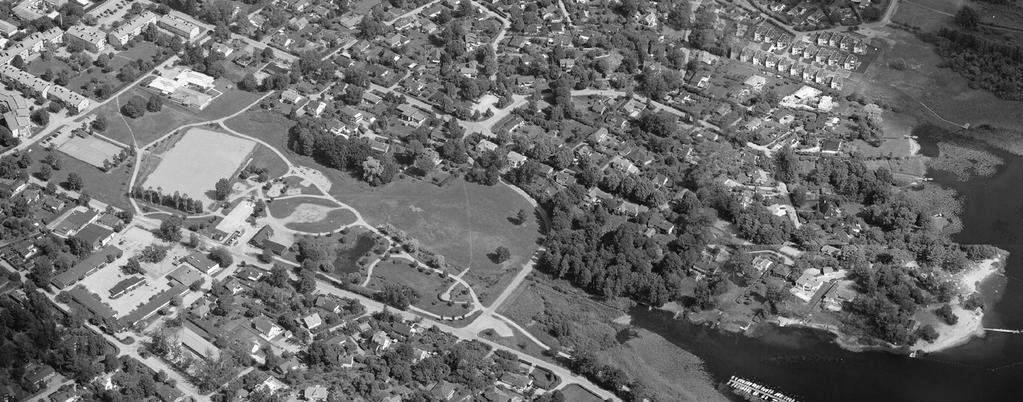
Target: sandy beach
x,y
970,323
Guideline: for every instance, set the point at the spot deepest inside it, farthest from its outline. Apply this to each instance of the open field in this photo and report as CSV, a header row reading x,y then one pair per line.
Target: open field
x,y
109,187
940,95
263,157
282,208
92,150
229,102
148,127
462,221
197,161
427,284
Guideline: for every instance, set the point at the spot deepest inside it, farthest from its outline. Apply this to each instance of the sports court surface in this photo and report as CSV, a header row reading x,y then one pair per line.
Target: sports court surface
x,y
91,149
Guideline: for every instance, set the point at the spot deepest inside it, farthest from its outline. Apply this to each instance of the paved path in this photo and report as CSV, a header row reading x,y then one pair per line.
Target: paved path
x,y
567,377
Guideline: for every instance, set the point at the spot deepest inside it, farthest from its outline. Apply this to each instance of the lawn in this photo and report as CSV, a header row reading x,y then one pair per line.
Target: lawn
x,y
231,101
462,221
426,283
109,187
150,126
264,157
270,127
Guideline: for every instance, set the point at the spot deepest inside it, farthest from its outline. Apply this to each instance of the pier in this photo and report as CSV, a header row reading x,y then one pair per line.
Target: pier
x,y
1007,331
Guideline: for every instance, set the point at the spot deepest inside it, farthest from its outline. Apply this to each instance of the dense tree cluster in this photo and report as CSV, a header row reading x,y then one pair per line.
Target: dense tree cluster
x,y
177,201
994,66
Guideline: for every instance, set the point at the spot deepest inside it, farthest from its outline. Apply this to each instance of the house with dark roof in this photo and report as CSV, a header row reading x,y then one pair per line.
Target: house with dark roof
x,y
199,261
74,222
86,267
126,285
95,236
266,328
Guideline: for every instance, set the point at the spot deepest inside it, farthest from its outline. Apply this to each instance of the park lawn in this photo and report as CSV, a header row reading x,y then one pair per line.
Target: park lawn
x,y
331,220
39,66
519,342
268,126
428,284
109,187
264,157
462,221
150,126
231,101
141,50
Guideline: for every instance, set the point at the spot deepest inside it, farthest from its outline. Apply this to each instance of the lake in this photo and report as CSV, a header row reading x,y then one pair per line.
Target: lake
x,y
807,365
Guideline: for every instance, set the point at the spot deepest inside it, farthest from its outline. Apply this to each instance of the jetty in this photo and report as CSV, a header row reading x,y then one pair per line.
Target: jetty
x,y
756,392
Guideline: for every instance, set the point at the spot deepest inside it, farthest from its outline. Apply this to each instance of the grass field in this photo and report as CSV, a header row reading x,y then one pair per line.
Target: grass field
x,y
267,126
229,102
110,187
197,161
263,157
462,221
427,284
148,127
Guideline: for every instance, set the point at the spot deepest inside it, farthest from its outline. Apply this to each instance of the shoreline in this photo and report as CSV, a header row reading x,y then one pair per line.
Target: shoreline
x,y
971,322
969,326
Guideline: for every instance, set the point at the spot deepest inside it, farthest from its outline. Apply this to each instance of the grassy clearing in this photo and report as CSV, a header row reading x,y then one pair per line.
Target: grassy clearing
x,y
263,157
148,127
426,283
109,187
270,127
230,102
462,221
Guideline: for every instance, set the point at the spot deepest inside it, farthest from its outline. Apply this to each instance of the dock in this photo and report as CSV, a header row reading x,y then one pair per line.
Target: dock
x,y
756,392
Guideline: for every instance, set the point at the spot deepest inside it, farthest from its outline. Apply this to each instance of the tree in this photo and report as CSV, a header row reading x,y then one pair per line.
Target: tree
x,y
41,117
193,240
222,256
170,229
153,253
248,83
222,189
73,182
154,104
501,254
967,18
397,295
100,123
42,272
44,173
946,314
266,256
521,216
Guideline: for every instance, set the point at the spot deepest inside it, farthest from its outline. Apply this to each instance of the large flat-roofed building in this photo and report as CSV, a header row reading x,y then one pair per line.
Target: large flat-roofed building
x,y
89,265
120,36
7,28
16,113
181,26
90,38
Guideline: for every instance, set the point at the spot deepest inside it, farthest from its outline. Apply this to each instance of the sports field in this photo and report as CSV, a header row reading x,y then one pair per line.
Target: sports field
x,y
200,158
91,149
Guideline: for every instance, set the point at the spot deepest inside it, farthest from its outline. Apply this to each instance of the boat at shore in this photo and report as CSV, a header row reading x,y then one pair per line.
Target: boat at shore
x,y
755,392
